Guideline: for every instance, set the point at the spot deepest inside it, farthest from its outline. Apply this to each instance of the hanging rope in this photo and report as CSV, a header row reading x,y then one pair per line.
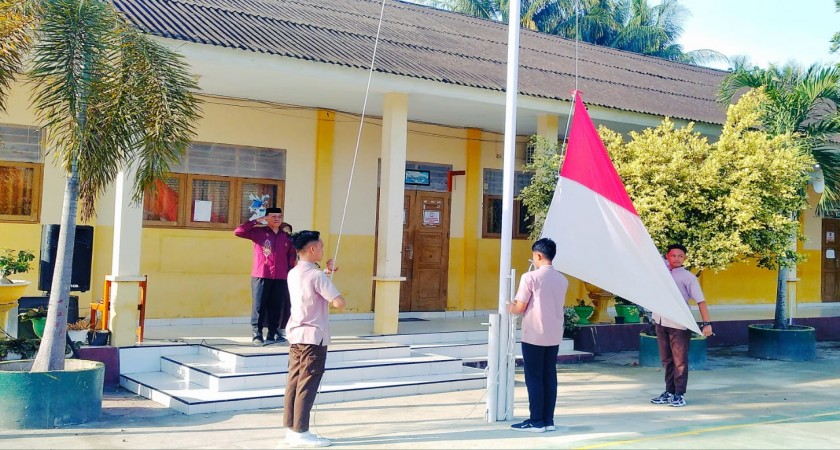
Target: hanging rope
x,y
575,92
358,137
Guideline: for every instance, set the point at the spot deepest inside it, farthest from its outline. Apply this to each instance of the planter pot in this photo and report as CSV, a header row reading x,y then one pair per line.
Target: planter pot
x,y
649,352
38,325
78,336
50,399
796,343
12,356
9,293
630,313
583,313
99,338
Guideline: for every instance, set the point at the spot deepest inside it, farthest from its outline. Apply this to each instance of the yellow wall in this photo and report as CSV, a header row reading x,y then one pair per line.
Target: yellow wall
x,y
205,273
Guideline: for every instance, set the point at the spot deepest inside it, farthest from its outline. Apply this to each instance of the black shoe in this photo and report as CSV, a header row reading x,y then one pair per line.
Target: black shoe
x,y
663,399
258,339
275,338
528,426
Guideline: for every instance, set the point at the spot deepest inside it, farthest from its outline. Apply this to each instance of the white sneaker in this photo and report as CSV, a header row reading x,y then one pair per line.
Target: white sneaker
x,y
292,436
307,439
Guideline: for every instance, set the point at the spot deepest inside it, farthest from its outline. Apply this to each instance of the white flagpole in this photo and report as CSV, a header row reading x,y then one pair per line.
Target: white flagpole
x,y
499,376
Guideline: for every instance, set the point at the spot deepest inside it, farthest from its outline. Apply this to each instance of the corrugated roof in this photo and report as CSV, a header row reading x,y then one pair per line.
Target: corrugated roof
x,y
445,47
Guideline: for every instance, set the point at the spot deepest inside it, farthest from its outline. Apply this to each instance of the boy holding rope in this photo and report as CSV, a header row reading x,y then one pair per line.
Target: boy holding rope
x,y
311,292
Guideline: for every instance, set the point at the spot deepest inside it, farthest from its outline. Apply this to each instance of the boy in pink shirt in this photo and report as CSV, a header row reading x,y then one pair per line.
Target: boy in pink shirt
x,y
311,292
540,300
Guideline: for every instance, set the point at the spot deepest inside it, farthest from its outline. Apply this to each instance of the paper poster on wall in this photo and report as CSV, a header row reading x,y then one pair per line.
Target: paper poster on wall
x,y
201,212
829,236
829,254
431,217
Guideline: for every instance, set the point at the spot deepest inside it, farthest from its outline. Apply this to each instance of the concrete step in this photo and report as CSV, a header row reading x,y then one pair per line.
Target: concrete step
x,y
563,357
475,349
191,398
209,372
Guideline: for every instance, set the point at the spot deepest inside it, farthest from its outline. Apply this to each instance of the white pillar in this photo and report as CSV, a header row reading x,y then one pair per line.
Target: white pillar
x,y
125,264
391,194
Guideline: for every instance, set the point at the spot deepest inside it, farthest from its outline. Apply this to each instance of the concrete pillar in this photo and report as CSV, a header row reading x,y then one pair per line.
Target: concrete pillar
x,y
472,219
547,127
324,141
125,265
391,193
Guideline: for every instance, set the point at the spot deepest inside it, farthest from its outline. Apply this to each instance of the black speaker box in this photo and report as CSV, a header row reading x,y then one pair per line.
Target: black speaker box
x,y
24,303
82,257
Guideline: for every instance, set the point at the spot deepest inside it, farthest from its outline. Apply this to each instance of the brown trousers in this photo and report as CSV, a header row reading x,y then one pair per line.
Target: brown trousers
x,y
306,367
673,351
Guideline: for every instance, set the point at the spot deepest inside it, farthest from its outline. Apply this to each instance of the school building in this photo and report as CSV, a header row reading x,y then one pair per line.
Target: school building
x,y
284,87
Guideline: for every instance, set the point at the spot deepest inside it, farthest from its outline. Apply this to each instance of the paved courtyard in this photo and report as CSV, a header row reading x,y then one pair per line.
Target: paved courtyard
x,y
739,402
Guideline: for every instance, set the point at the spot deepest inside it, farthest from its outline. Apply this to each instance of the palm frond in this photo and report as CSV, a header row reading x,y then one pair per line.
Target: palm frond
x,y
19,18
162,105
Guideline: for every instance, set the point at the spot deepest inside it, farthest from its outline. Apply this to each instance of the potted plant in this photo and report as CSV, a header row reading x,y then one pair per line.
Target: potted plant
x,y
38,317
570,323
78,331
22,348
583,311
12,262
626,310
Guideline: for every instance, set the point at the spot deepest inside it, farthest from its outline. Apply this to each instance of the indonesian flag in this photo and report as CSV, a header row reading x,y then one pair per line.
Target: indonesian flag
x,y
600,237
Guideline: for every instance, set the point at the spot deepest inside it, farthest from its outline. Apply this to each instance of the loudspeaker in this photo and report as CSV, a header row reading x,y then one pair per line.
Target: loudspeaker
x,y
24,303
82,257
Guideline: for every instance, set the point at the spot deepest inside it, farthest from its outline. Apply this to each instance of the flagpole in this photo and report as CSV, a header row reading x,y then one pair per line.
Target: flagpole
x,y
499,376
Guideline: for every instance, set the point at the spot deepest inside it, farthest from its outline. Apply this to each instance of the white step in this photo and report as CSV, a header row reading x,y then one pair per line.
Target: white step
x,y
217,375
190,398
228,375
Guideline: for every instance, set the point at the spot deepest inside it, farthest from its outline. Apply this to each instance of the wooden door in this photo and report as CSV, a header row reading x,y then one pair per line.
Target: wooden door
x,y
830,260
425,261
407,252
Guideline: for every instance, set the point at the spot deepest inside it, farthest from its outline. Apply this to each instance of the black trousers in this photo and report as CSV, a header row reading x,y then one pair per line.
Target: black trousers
x,y
270,305
541,381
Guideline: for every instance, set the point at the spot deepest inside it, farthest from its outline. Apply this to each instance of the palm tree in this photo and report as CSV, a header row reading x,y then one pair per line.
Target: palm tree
x,y
107,97
802,102
534,14
631,25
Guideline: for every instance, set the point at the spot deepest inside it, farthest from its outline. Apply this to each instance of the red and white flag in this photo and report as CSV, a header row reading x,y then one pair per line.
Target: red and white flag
x,y
600,237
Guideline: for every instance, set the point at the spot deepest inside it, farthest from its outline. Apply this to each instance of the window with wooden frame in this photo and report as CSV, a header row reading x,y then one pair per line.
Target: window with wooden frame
x,y
20,191
215,186
492,206
21,172
493,218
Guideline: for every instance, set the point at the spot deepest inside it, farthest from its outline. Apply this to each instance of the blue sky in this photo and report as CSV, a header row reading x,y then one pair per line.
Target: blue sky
x,y
765,30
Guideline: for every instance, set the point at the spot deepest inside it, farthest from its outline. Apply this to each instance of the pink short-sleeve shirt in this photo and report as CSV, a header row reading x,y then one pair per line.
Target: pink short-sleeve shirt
x,y
310,292
689,287
544,290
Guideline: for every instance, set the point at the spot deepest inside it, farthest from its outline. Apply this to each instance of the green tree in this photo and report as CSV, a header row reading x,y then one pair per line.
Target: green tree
x,y
537,195
631,25
802,103
725,201
108,97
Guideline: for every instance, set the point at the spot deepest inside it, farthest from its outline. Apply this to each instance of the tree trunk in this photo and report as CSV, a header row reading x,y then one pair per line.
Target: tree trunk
x,y
780,319
51,352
